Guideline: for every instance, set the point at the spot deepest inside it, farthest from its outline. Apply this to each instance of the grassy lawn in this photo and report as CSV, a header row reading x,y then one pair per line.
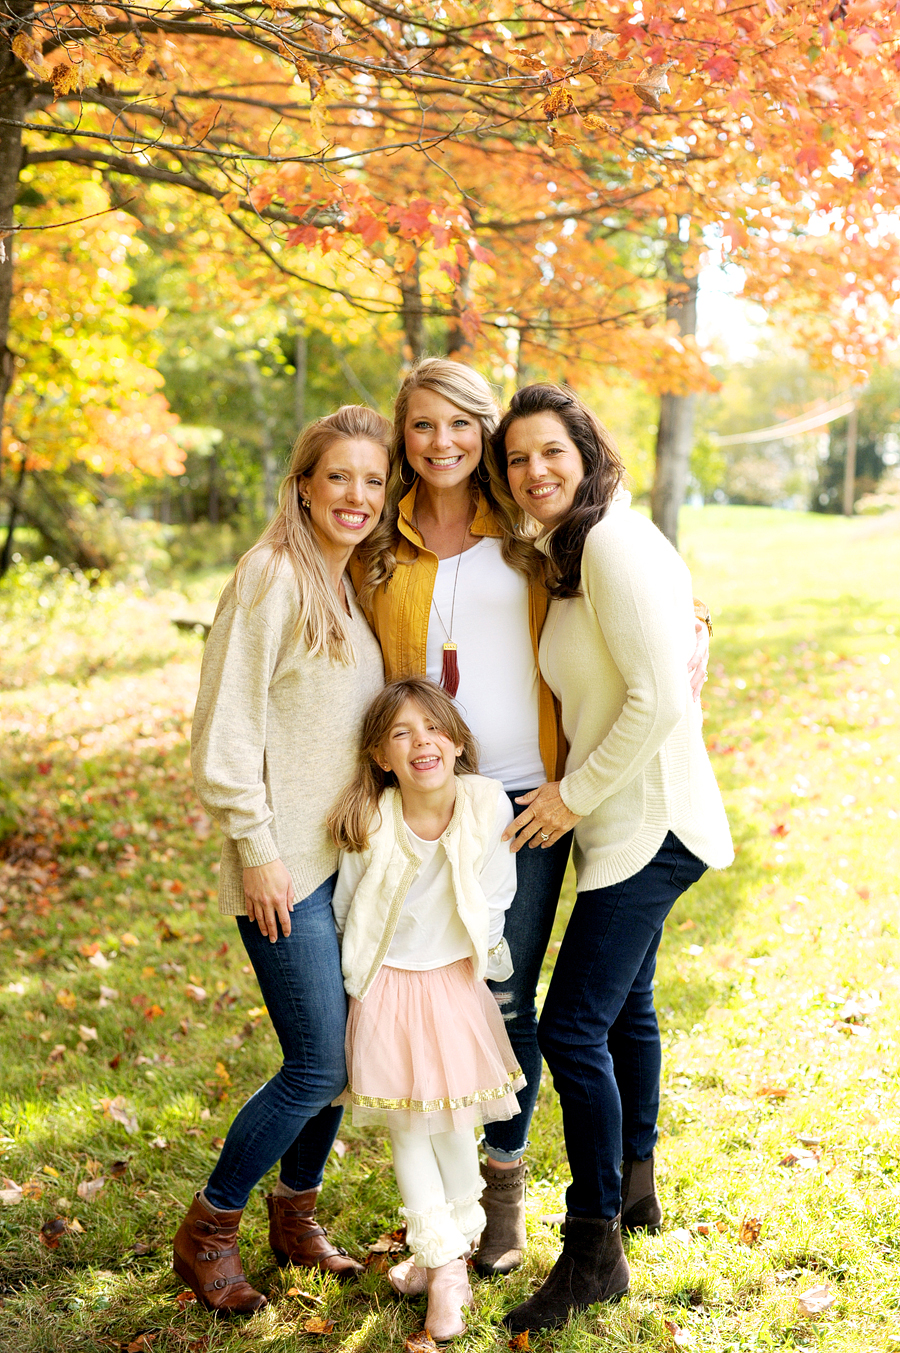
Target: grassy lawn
x,y
131,1028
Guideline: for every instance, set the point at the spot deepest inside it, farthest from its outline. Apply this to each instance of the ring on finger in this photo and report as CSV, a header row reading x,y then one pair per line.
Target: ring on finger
x,y
545,836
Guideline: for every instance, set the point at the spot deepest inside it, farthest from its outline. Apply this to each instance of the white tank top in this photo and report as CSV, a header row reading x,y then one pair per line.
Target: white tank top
x,y
498,678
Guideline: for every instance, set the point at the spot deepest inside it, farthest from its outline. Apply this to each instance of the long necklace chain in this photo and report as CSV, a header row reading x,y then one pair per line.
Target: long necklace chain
x,y
449,660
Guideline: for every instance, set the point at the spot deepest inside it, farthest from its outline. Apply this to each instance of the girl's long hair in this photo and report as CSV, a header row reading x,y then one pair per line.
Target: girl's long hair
x,y
468,390
322,622
603,472
353,816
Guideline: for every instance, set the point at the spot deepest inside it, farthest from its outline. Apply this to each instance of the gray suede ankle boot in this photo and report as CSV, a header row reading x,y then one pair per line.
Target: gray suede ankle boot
x,y
502,1244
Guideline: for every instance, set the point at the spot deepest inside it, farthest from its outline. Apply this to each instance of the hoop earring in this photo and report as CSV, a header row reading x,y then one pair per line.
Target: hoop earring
x,y
407,484
482,473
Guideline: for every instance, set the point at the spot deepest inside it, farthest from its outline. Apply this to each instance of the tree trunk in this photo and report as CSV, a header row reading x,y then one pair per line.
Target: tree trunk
x,y
14,94
850,464
413,319
269,467
675,434
14,501
300,360
459,341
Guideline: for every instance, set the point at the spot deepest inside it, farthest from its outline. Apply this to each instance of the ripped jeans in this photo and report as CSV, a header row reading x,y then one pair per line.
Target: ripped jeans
x,y
529,921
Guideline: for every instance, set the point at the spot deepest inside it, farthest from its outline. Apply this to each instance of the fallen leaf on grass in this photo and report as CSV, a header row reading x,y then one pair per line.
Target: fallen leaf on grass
x,y
159,1142
139,1247
800,1155
199,1345
751,1229
196,993
217,1143
816,1300
100,961
118,1168
185,1298
52,1232
87,1032
682,1235
10,1194
153,1012
299,1292
140,1344
89,1188
389,1242
421,1342
58,1053
708,1228
32,1189
339,1148
318,1326
519,1342
680,1338
120,1111
770,1090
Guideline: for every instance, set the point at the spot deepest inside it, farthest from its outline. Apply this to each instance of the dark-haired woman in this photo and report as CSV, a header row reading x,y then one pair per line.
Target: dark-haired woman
x,y
646,811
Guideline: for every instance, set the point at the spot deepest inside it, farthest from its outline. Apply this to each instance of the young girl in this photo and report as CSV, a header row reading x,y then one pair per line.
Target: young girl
x,y
423,887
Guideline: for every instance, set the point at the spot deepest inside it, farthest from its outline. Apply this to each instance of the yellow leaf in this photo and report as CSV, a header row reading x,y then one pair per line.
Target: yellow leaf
x,y
204,125
230,202
558,101
64,79
27,50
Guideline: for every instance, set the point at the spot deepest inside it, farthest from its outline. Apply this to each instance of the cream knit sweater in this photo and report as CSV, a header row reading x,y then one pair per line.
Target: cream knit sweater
x,y
616,657
275,733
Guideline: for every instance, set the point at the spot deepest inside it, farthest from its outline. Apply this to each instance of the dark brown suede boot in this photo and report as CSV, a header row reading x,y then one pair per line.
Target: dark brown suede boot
x,y
502,1244
592,1267
297,1238
206,1258
641,1208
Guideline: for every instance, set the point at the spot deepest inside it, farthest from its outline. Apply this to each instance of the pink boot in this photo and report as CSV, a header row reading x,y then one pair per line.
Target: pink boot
x,y
408,1279
449,1294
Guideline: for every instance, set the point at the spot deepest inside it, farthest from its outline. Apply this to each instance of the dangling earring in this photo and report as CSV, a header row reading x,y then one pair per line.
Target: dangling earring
x,y
407,483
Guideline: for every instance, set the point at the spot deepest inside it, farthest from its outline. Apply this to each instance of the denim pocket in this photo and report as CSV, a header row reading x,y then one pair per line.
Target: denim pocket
x,y
687,867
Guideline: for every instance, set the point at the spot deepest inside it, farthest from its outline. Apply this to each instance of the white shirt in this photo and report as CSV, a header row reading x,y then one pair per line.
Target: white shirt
x,y
498,677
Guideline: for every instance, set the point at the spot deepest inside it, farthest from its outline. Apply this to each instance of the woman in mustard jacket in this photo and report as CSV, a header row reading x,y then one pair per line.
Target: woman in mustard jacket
x,y
464,606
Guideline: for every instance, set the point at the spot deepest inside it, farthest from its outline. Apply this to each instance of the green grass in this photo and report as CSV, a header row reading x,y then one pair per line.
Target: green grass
x,y
778,988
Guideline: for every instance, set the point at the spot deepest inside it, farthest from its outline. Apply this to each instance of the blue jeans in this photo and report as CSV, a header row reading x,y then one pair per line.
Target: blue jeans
x,y
598,1029
529,921
290,1118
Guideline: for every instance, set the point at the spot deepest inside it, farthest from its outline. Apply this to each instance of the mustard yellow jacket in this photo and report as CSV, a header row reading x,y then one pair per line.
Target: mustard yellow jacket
x,y
399,611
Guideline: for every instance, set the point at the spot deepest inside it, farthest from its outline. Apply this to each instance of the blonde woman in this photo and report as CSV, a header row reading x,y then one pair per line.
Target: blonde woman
x,y
465,606
289,669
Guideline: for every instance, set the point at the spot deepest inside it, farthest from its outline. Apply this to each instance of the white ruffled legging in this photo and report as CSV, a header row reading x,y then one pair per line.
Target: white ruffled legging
x,y
440,1184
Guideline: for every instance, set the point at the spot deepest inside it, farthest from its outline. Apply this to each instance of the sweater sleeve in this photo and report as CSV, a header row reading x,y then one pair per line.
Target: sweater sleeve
x,y
498,872
629,574
228,739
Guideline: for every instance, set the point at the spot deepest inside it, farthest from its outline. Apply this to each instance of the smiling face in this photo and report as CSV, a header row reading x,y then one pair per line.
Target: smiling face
x,y
443,442
420,754
346,495
543,467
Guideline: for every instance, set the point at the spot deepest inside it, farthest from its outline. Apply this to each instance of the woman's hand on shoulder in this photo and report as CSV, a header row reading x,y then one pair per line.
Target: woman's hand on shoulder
x,y
544,820
269,894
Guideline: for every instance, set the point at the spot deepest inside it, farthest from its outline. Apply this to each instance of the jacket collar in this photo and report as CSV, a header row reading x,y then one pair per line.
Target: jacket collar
x,y
482,525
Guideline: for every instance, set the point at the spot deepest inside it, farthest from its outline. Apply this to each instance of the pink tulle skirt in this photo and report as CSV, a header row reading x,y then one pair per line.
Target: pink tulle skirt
x,y
428,1051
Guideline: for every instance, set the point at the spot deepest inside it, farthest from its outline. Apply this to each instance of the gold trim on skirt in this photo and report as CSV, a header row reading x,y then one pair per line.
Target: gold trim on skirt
x,y
435,1105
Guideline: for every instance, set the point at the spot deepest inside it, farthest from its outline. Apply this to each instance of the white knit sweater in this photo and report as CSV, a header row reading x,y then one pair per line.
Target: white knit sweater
x,y
275,733
616,657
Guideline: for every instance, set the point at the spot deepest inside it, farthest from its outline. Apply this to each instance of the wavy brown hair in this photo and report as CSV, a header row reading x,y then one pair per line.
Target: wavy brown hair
x,y
353,816
289,535
463,386
603,472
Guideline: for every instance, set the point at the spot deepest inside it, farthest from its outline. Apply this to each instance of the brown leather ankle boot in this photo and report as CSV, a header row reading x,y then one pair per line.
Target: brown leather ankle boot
x,y
206,1258
297,1238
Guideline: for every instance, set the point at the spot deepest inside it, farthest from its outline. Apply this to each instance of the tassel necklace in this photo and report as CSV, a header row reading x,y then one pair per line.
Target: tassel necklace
x,y
449,661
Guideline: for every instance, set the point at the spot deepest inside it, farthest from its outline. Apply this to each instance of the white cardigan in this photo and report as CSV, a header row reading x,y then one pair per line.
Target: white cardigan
x,y
367,911
616,657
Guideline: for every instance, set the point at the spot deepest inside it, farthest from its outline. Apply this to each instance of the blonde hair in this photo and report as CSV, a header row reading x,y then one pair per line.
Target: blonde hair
x,y
352,817
322,622
464,387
